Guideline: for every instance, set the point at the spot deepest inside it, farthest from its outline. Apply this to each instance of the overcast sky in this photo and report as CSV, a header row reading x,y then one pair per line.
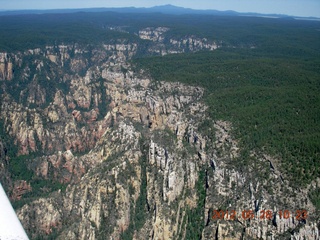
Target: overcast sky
x,y
304,8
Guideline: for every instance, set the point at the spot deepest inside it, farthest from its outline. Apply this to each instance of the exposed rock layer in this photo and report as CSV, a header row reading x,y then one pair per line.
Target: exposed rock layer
x,y
130,148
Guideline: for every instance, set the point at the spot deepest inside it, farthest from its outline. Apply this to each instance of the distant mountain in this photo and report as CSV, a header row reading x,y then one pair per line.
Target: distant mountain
x,y
165,9
174,9
181,10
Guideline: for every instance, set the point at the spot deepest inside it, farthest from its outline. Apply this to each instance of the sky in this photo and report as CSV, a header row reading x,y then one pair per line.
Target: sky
x,y
303,8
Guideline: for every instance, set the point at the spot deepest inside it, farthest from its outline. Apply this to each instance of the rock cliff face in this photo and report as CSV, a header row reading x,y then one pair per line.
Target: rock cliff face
x,y
169,45
132,154
4,173
6,71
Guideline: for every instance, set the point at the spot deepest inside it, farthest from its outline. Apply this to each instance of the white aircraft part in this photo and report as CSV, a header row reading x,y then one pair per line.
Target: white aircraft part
x,y
10,226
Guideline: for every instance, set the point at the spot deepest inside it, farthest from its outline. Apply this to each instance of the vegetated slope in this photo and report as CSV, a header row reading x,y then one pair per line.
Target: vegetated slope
x,y
111,153
270,92
24,32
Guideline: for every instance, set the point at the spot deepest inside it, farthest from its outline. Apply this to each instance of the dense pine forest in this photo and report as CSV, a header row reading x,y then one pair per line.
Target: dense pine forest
x,y
272,101
263,77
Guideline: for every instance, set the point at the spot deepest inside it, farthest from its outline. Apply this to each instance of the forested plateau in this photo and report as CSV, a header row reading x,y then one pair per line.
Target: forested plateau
x,y
159,126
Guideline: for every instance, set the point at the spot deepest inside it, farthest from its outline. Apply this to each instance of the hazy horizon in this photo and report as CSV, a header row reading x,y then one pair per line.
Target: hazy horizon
x,y
302,8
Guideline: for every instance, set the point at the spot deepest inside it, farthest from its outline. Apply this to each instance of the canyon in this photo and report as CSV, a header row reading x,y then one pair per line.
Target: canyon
x,y
134,158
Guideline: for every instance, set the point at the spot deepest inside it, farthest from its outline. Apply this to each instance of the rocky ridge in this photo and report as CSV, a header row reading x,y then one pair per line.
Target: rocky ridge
x,y
130,148
6,70
169,45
